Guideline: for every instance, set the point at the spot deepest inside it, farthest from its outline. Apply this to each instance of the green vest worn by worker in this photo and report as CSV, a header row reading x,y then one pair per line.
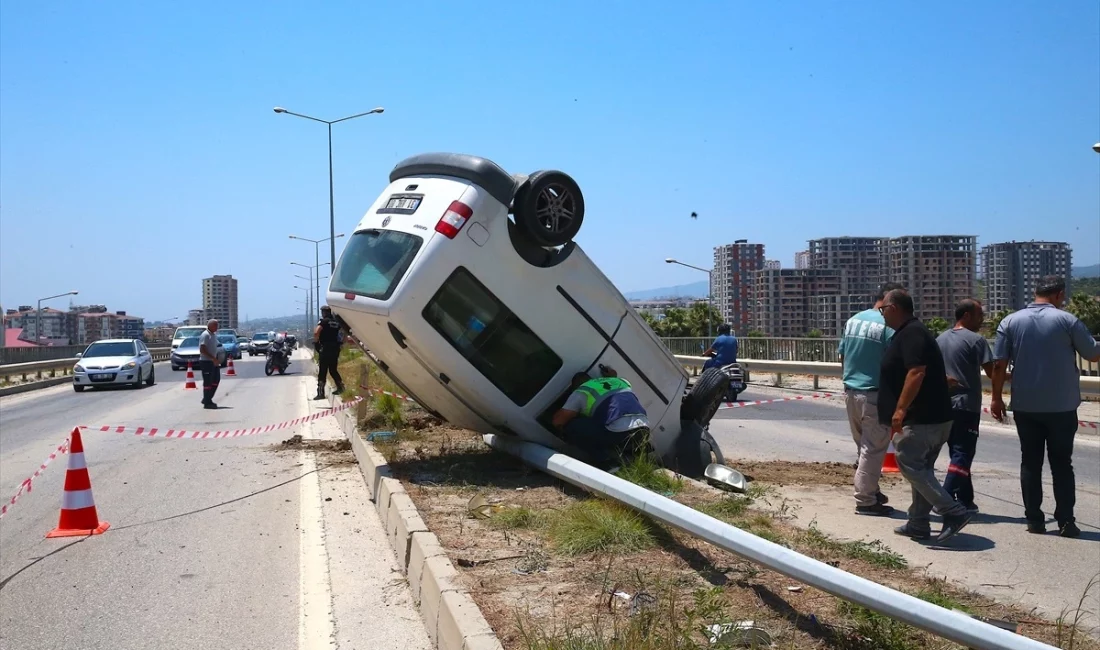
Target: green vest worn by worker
x,y
609,398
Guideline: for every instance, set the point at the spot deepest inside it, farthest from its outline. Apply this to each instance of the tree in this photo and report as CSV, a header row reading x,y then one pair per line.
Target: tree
x,y
814,334
937,325
703,319
994,321
1087,309
755,333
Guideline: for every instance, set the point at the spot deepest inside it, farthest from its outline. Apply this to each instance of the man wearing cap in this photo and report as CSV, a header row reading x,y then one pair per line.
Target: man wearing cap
x,y
208,364
1042,341
865,338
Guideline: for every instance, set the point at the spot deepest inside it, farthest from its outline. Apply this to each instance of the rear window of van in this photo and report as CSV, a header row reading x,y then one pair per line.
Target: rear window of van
x,y
374,262
492,338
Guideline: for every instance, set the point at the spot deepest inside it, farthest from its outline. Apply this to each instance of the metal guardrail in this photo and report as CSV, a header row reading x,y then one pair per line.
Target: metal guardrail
x,y
51,366
1090,386
946,623
797,349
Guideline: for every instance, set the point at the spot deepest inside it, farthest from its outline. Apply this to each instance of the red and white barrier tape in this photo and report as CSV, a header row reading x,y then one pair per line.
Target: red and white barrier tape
x,y
26,485
151,432
399,396
155,432
757,402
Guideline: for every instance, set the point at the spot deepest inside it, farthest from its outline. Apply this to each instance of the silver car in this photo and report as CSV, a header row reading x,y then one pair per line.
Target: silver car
x,y
111,362
188,353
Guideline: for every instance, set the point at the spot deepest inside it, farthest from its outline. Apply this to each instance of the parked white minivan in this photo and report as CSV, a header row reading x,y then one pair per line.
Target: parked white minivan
x,y
464,283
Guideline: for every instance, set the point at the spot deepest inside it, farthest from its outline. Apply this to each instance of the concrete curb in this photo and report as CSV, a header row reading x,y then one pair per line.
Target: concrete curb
x,y
450,614
35,385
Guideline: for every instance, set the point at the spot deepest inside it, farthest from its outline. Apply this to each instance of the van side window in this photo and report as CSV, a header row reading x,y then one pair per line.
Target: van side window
x,y
491,337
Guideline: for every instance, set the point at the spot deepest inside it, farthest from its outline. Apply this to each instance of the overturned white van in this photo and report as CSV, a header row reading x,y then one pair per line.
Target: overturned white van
x,y
464,283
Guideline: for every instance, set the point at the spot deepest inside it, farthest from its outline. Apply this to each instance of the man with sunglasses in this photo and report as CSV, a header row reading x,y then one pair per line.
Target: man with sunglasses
x,y
915,402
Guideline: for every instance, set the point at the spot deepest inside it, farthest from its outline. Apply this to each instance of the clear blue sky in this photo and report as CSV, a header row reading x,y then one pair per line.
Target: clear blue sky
x,y
139,152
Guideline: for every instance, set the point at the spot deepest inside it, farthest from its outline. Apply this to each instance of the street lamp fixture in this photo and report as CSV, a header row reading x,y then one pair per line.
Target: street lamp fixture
x,y
1096,147
331,203
38,312
710,281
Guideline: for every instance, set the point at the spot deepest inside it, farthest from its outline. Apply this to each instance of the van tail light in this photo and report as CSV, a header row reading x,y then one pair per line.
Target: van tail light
x,y
453,219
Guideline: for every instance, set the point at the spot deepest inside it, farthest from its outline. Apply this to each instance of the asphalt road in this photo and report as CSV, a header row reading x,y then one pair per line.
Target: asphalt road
x,y
994,555
205,548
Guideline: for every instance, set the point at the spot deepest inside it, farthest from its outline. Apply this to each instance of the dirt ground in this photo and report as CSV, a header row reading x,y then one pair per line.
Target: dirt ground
x,y
490,512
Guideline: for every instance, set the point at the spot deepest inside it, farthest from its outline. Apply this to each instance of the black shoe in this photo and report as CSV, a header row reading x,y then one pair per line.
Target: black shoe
x,y
877,510
210,405
952,524
906,531
319,396
1069,529
972,508
1036,528
881,498
339,390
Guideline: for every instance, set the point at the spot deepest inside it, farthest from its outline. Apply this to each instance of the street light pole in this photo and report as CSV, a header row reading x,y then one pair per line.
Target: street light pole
x,y
38,313
331,202
316,261
710,289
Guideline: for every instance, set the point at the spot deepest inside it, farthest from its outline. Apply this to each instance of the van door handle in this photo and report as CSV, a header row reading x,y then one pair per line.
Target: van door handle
x,y
444,378
397,336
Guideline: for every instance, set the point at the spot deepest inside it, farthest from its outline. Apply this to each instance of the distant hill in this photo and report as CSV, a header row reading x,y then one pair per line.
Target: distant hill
x,y
693,290
1087,271
277,323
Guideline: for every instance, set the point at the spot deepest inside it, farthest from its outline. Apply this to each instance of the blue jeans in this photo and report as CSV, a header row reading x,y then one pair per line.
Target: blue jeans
x,y
962,444
602,446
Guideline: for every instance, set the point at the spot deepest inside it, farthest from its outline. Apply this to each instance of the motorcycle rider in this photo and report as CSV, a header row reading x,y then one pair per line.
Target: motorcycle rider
x,y
278,347
724,349
327,337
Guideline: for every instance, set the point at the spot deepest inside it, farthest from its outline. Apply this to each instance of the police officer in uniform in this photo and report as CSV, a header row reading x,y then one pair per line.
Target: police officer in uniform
x,y
603,417
327,337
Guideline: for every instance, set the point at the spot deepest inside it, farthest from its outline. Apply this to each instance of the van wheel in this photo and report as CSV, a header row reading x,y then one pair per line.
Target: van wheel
x,y
704,398
549,208
711,452
690,454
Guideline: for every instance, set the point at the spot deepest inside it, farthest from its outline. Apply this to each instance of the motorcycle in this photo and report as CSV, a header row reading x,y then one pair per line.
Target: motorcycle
x,y
277,359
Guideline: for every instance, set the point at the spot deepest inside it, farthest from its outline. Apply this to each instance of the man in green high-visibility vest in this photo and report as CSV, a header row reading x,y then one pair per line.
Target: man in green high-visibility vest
x,y
602,417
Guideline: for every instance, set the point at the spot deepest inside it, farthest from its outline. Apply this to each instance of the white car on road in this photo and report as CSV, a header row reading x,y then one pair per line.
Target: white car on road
x,y
465,283
186,332
112,362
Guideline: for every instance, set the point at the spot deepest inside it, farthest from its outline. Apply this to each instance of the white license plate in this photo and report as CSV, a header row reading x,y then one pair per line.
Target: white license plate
x,y
101,376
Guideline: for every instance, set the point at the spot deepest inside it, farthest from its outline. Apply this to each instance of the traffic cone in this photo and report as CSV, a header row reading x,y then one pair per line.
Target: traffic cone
x,y
190,378
231,372
890,463
78,514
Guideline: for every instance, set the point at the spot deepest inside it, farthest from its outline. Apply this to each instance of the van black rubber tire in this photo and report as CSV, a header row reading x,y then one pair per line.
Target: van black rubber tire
x,y
533,194
702,401
687,454
712,453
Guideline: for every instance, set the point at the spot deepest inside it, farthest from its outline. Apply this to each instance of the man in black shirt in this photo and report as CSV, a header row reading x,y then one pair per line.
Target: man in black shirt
x,y
915,402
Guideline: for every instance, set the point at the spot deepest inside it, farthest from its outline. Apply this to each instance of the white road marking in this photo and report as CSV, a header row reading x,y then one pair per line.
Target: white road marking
x,y
316,629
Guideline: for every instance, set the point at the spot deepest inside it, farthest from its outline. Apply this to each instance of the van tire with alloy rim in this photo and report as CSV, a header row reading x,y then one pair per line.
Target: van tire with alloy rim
x,y
549,208
704,398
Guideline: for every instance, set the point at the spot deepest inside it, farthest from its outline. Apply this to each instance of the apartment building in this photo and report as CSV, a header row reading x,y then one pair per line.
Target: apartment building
x,y
196,317
733,282
937,270
786,299
219,299
802,260
772,264
57,327
1012,269
862,260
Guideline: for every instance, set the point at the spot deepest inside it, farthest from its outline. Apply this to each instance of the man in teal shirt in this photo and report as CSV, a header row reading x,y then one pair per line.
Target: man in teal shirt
x,y
861,346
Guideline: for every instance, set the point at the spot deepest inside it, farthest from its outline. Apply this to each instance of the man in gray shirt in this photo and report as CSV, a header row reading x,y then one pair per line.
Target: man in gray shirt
x,y
965,354
1042,342
208,363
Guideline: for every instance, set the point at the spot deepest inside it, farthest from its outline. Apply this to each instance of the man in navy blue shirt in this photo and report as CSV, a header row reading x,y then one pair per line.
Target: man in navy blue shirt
x,y
724,349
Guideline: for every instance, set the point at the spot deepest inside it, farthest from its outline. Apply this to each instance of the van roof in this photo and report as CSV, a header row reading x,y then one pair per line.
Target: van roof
x,y
486,173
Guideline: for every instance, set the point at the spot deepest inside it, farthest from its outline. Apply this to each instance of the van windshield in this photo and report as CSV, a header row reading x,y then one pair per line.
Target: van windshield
x,y
374,262
491,337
